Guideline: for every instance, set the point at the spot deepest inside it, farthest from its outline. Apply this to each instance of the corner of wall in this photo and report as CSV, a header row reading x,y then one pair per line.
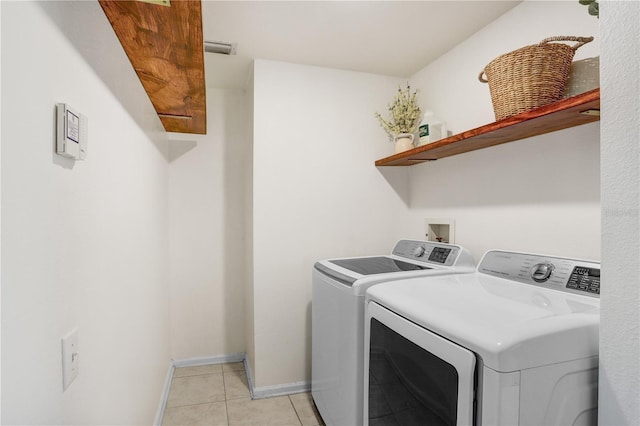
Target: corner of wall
x,y
248,222
619,374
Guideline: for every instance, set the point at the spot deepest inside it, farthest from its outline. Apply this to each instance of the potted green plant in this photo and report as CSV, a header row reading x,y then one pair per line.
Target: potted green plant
x,y
405,116
593,7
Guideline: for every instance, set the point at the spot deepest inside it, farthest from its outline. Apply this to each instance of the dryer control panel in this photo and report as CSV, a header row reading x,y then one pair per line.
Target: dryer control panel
x,y
569,275
428,252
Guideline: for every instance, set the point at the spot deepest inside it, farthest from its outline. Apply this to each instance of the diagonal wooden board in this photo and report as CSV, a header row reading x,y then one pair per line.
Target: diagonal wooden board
x,y
165,47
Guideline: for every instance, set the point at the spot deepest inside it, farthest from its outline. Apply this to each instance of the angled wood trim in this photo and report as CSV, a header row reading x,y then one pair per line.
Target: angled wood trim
x,y
165,47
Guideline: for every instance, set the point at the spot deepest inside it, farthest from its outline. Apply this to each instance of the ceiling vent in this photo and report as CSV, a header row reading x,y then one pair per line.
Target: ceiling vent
x,y
220,47
160,2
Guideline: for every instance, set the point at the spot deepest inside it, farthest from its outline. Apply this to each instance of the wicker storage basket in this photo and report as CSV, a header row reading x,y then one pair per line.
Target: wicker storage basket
x,y
530,77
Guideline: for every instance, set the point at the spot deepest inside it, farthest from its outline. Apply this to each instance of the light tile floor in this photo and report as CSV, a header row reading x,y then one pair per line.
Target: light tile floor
x,y
219,395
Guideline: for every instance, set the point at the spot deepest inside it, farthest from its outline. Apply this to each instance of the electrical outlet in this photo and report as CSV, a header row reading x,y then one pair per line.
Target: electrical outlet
x,y
70,358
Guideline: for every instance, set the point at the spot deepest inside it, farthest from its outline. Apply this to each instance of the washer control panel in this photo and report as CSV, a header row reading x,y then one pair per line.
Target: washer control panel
x,y
585,279
569,275
541,272
428,252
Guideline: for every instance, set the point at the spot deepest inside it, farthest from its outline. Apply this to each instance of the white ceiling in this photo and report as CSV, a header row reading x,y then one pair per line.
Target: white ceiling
x,y
396,38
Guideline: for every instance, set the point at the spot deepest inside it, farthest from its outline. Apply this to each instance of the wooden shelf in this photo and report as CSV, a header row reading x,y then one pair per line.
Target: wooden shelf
x,y
565,113
166,49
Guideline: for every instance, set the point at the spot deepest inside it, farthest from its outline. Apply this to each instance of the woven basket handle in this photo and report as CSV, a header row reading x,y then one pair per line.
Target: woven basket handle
x,y
581,41
481,77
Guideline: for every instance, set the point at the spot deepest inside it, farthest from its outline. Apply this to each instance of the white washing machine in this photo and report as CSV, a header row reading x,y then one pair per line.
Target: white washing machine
x,y
339,287
515,343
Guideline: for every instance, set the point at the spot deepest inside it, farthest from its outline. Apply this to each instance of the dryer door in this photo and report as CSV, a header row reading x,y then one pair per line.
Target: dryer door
x,y
413,376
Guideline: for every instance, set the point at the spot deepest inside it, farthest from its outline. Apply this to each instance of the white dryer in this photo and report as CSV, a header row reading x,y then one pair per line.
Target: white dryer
x,y
339,287
515,343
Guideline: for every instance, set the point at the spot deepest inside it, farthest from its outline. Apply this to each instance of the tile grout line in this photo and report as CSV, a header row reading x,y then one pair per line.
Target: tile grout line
x,y
192,404
226,390
226,406
197,375
294,409
206,402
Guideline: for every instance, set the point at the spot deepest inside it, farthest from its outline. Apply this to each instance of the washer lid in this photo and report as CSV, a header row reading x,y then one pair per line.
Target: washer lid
x,y
361,273
510,325
377,265
410,258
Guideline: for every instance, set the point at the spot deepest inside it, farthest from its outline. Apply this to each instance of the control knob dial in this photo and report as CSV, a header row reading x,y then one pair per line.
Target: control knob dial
x,y
418,251
541,272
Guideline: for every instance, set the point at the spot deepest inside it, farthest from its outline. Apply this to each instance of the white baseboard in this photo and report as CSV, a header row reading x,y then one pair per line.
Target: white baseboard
x,y
280,390
249,373
189,362
165,395
256,393
218,359
275,390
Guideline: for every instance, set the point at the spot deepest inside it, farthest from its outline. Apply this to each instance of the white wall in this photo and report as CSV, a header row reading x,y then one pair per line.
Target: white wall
x,y
536,195
316,194
206,231
83,244
0,232
619,391
248,230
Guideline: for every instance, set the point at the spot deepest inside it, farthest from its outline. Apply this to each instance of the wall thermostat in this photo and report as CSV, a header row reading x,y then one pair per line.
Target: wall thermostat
x,y
71,140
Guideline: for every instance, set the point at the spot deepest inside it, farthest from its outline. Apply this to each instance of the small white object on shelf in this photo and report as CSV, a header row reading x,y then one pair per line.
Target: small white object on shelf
x,y
431,129
584,76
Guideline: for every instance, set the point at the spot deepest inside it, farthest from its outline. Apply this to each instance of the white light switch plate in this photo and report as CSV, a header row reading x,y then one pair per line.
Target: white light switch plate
x,y
70,358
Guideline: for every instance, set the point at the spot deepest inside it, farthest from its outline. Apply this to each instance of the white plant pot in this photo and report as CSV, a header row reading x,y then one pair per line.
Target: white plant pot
x,y
403,142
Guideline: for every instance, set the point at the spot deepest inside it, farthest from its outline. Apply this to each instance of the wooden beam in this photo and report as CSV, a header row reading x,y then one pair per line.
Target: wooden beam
x,y
165,47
